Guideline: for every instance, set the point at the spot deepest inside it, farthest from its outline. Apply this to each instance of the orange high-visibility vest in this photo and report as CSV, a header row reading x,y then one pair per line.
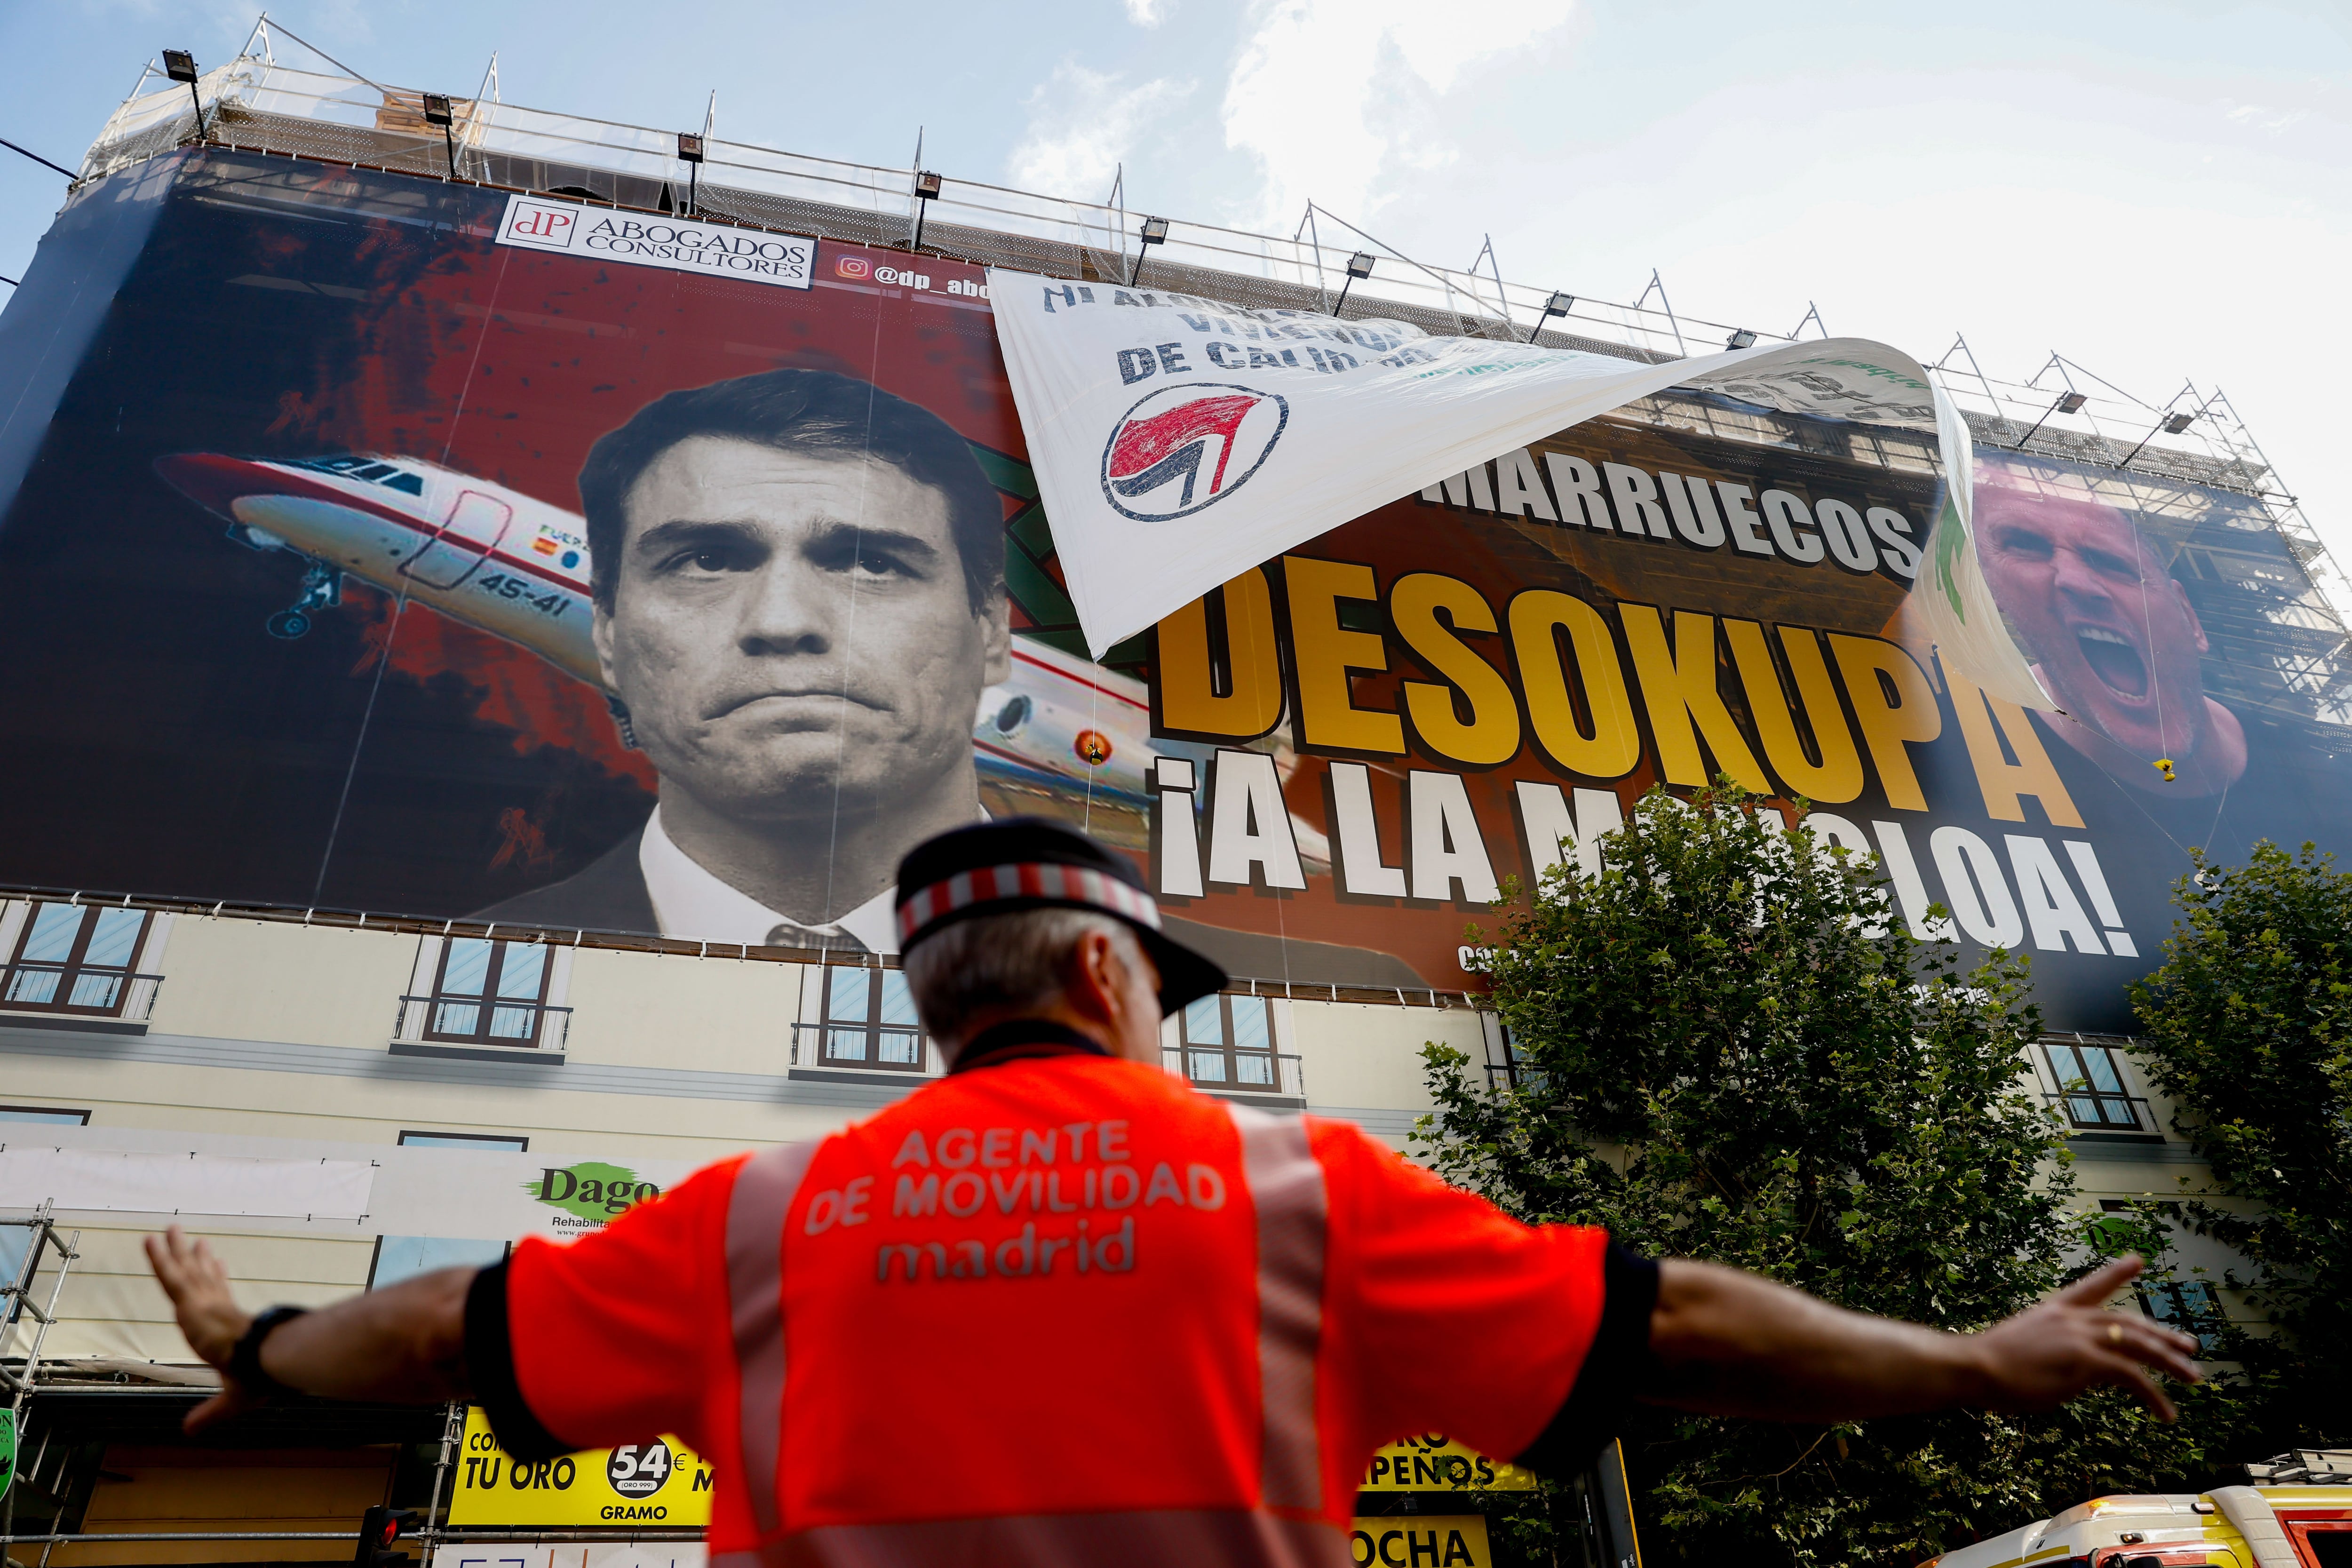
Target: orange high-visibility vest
x,y
1059,1308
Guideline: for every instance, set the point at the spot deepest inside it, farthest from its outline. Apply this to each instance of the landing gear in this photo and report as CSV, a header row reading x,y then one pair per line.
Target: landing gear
x,y
323,589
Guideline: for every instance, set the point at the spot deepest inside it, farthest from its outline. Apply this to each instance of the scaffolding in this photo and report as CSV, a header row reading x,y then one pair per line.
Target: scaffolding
x,y
2271,582
324,110
16,1305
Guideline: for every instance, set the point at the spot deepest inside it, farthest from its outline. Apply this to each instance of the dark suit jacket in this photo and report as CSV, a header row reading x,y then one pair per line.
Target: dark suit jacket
x,y
610,895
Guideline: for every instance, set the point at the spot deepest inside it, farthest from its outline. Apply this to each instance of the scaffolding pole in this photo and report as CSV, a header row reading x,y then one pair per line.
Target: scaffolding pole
x,y
18,1305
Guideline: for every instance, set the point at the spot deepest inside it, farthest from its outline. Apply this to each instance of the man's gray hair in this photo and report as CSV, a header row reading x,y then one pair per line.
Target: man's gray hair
x,y
1015,961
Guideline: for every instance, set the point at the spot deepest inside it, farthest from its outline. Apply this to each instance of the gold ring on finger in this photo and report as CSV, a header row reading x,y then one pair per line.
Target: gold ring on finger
x,y
2114,1333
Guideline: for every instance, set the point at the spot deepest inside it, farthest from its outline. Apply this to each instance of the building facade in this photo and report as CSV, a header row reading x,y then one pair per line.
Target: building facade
x,y
337,1106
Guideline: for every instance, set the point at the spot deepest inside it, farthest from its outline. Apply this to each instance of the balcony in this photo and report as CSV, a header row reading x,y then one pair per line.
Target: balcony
x,y
1512,1075
469,1029
1252,1077
77,996
2092,1111
864,1052
2086,1079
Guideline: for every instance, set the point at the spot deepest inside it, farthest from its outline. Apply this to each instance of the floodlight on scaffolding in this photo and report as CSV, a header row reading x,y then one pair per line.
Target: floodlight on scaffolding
x,y
180,66
2066,403
438,112
1559,304
1742,338
1359,266
690,152
1154,232
2170,425
927,191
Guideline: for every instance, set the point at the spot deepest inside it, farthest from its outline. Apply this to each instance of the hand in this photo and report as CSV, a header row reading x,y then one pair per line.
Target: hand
x,y
2047,1354
209,1315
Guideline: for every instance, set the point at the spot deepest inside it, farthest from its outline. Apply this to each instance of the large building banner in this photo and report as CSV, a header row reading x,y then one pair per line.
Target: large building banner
x,y
371,543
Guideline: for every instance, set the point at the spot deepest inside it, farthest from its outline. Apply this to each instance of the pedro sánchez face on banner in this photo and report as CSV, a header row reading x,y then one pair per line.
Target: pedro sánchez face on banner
x,y
798,597
2117,642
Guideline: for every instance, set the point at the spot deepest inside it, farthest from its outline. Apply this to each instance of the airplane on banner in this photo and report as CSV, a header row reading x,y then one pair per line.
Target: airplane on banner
x,y
495,558
480,552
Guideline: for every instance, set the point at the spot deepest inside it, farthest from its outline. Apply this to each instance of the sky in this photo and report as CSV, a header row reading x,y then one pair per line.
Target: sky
x,y
2157,190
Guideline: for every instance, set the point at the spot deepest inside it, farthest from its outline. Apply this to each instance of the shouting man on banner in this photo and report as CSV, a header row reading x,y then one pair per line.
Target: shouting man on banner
x,y
2117,641
1060,1308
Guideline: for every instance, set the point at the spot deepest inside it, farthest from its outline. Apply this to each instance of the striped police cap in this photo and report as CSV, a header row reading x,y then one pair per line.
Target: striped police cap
x,y
1028,863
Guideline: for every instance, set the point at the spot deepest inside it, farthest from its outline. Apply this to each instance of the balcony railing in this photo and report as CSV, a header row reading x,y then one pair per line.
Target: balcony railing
x,y
457,1021
78,991
1268,1073
888,1048
1501,1076
2097,1111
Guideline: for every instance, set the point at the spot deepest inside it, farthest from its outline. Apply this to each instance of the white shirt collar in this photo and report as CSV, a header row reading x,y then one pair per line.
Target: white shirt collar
x,y
692,903
874,922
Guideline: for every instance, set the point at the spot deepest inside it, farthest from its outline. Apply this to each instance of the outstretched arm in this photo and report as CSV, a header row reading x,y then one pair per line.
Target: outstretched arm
x,y
404,1344
1731,1343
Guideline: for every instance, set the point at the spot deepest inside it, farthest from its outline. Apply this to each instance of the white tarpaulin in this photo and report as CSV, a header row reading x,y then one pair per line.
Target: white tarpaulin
x,y
188,1183
1178,442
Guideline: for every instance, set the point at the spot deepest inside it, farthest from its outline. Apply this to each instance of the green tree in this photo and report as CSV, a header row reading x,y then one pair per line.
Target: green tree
x,y
2248,1027
1730,1047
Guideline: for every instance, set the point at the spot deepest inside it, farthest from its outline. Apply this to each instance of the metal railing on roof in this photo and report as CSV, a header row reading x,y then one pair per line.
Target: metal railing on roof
x,y
257,102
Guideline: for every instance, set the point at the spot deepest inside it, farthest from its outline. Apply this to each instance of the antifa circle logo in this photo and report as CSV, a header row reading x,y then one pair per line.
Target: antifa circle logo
x,y
1182,447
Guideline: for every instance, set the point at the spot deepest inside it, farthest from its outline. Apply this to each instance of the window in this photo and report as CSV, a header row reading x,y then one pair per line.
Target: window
x,y
1513,1071
45,1114
1229,1040
15,1240
2090,1084
2330,1546
2189,1305
490,993
502,1143
869,1021
72,958
399,1258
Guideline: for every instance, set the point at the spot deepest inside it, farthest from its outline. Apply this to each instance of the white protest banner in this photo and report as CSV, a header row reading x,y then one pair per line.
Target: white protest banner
x,y
183,1182
1178,442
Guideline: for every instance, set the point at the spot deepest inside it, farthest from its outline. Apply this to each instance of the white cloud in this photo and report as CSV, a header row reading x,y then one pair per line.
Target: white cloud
x,y
1148,13
2260,117
1326,92
1082,124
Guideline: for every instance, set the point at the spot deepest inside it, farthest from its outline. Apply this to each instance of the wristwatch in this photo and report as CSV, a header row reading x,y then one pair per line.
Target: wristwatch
x,y
244,1361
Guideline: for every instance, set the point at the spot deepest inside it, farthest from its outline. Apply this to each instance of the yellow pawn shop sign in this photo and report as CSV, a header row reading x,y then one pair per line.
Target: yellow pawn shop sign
x,y
1434,1462
658,1484
1409,1541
